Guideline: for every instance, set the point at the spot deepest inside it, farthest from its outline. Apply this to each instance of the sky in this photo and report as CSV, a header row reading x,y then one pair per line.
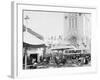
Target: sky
x,y
50,24
45,23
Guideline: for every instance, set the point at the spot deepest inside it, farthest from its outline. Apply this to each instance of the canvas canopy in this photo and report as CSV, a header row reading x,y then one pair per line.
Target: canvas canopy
x,y
32,39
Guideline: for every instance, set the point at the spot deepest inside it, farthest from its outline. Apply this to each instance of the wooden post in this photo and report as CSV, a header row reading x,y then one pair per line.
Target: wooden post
x,y
25,58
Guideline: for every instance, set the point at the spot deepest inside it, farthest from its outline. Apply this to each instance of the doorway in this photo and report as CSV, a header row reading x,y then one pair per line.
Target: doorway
x,y
34,56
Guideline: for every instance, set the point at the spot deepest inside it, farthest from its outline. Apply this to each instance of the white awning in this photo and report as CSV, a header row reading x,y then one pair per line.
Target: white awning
x,y
63,47
32,39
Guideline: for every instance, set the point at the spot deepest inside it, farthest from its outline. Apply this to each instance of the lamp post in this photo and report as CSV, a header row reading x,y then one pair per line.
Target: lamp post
x,y
26,19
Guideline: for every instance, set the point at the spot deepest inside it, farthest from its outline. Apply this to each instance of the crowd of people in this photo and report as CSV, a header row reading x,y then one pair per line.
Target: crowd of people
x,y
62,60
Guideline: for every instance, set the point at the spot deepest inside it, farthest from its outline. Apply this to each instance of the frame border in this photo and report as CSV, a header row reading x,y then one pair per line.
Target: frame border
x,y
14,32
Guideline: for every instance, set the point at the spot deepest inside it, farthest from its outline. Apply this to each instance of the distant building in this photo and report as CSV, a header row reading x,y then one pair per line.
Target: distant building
x,y
77,28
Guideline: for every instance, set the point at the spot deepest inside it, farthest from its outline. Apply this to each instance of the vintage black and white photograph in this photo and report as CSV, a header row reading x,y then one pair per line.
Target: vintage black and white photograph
x,y
53,39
